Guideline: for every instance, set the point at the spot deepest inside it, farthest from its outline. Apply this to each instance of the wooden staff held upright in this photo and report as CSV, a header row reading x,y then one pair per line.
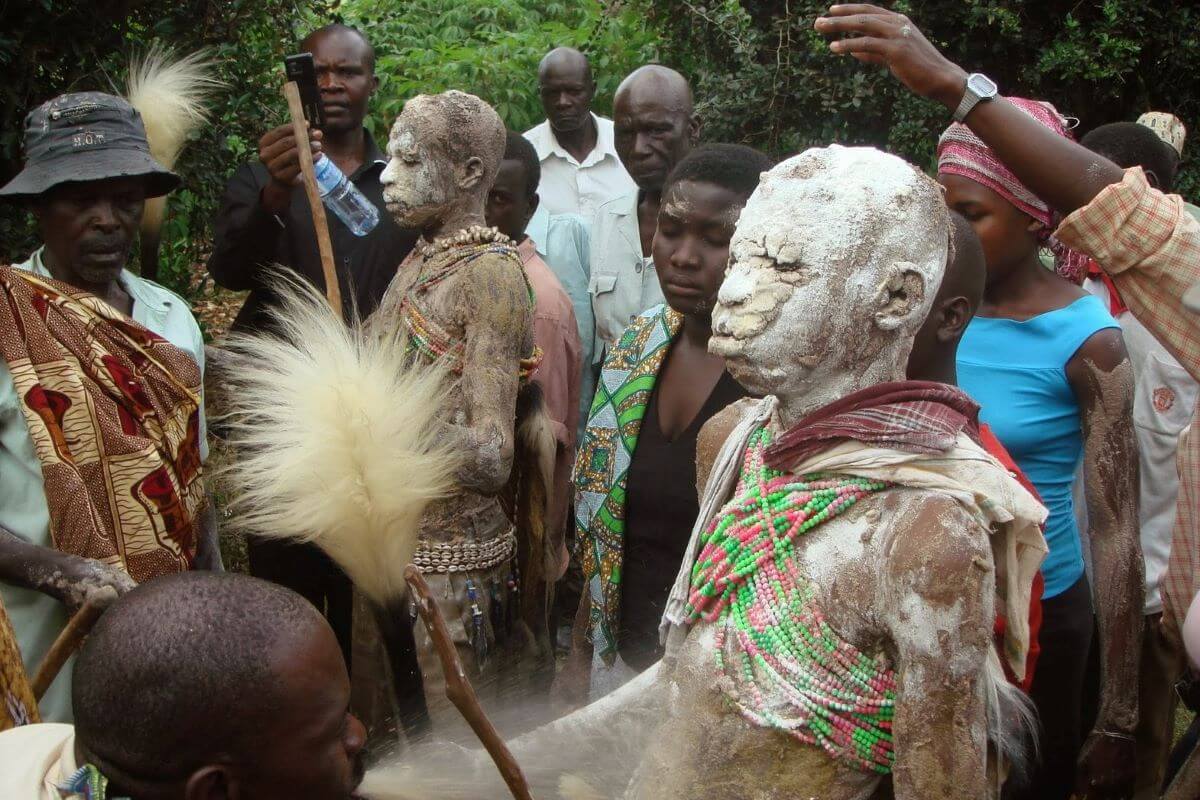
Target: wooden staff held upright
x,y
333,291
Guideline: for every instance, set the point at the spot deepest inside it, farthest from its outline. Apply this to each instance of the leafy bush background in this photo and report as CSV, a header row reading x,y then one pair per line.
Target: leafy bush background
x,y
52,46
761,75
492,48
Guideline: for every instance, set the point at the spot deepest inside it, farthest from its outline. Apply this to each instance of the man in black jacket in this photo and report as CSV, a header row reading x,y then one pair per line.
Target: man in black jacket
x,y
265,220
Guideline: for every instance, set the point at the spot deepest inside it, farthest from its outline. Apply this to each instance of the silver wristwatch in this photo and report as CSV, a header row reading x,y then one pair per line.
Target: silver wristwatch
x,y
979,88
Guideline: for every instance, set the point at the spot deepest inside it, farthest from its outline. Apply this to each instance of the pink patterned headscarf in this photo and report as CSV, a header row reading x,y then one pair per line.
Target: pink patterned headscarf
x,y
961,152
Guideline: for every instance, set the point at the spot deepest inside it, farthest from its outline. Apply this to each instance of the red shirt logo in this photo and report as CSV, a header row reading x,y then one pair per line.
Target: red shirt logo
x,y
1164,398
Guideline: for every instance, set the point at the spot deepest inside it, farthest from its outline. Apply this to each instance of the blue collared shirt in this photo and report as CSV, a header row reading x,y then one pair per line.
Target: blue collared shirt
x,y
563,242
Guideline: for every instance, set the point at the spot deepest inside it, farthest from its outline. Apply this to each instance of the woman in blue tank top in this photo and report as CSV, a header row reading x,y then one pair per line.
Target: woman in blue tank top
x,y
1046,362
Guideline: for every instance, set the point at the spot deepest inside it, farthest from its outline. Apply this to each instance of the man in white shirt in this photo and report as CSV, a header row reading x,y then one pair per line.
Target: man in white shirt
x,y
654,128
580,166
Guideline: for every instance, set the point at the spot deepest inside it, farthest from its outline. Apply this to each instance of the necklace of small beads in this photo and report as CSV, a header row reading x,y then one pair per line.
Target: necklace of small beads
x,y
788,669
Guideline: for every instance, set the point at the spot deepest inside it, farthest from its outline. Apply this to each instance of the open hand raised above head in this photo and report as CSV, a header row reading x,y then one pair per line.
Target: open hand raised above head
x,y
875,35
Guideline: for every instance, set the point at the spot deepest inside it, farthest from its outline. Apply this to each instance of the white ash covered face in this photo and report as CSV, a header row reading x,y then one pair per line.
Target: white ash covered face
x,y
834,264
418,181
444,151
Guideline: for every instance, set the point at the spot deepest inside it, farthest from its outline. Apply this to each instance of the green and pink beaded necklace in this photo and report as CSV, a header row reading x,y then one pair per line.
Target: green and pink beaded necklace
x,y
788,668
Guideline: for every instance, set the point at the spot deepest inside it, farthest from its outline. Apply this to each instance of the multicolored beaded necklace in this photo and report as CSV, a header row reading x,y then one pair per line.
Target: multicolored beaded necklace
x,y
442,259
786,666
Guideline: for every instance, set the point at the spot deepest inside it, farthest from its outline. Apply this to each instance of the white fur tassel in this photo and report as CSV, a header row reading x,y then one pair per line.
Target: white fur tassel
x,y
1012,725
336,437
171,94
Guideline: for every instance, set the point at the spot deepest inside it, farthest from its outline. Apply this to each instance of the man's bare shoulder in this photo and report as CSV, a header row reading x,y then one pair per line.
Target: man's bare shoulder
x,y
714,432
935,545
494,286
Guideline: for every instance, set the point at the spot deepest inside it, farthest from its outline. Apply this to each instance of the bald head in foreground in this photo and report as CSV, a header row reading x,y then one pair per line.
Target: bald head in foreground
x,y
200,686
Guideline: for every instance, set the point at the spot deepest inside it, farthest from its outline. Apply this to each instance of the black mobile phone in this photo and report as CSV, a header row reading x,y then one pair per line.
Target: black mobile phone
x,y
301,69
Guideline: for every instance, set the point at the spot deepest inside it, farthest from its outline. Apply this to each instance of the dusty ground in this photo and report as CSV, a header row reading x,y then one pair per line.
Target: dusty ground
x,y
213,306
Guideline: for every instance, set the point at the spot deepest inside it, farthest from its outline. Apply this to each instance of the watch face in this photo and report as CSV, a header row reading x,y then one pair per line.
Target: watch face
x,y
981,85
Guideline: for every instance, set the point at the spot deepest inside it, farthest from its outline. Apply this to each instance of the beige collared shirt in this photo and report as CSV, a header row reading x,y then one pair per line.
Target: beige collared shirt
x,y
624,282
579,187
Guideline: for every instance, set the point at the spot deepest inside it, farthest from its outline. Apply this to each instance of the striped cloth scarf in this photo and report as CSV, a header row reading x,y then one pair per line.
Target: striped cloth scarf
x,y
911,416
960,152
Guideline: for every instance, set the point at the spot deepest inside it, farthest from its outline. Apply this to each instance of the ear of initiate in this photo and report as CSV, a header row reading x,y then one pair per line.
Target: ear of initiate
x,y
900,297
472,173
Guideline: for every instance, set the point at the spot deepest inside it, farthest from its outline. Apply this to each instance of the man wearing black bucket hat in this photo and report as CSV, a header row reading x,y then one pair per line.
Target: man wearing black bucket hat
x,y
101,412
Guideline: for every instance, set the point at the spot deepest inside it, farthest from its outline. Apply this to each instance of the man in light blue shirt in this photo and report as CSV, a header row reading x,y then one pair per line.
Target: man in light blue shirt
x,y
88,170
655,126
562,240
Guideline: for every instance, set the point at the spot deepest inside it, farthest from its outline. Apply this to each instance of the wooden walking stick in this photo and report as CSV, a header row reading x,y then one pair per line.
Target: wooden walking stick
x,y
76,630
333,292
459,690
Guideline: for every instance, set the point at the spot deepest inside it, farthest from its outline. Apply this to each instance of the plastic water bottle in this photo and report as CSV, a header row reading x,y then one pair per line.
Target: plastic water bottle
x,y
343,198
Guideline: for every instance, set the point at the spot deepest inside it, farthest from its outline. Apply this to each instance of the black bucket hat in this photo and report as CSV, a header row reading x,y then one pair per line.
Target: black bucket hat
x,y
86,136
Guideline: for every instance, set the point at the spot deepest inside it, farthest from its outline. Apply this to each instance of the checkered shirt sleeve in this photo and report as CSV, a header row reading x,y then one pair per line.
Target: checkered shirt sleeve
x,y
1182,578
1150,246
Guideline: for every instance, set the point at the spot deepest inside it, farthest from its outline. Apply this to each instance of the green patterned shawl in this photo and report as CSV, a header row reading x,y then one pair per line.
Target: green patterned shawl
x,y
627,380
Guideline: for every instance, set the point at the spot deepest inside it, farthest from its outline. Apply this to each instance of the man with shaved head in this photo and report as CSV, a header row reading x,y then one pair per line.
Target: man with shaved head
x,y
198,686
580,165
654,128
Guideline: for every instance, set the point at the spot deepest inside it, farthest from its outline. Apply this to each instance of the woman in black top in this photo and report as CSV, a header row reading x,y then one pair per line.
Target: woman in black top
x,y
701,201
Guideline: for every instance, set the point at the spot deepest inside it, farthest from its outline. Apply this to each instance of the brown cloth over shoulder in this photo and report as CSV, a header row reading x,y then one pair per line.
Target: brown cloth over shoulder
x,y
114,413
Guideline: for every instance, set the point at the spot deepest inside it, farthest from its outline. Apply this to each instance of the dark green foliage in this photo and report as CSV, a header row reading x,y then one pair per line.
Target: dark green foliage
x,y
764,77
491,48
761,75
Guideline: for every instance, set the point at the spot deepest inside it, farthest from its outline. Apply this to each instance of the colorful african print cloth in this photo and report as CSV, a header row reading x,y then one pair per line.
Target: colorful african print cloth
x,y
627,380
17,704
114,413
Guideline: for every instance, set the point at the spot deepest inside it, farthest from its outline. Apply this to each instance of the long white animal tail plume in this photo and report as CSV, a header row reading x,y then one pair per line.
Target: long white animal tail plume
x,y
1012,725
171,94
335,436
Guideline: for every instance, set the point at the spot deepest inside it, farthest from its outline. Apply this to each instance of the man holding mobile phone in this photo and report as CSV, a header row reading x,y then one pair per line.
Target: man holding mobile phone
x,y
265,220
